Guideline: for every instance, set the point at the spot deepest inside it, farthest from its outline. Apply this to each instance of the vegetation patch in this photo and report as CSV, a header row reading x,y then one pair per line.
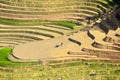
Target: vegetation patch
x,y
66,23
4,61
4,53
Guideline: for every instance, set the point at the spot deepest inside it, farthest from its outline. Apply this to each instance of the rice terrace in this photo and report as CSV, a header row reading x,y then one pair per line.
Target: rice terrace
x,y
59,39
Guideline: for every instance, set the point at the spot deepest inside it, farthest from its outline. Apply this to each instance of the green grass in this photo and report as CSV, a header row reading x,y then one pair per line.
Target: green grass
x,y
67,24
4,61
4,53
4,56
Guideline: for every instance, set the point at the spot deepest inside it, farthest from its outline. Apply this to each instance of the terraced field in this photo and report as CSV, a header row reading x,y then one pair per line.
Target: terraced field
x,y
102,37
27,20
55,70
59,40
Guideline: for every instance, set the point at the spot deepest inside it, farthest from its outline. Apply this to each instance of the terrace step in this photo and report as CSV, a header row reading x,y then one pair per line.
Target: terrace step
x,y
102,46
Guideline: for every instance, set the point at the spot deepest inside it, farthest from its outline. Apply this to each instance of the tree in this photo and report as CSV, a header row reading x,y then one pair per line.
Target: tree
x,y
113,2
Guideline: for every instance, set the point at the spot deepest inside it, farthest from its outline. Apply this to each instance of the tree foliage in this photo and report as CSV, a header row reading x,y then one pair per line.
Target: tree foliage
x,y
113,2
